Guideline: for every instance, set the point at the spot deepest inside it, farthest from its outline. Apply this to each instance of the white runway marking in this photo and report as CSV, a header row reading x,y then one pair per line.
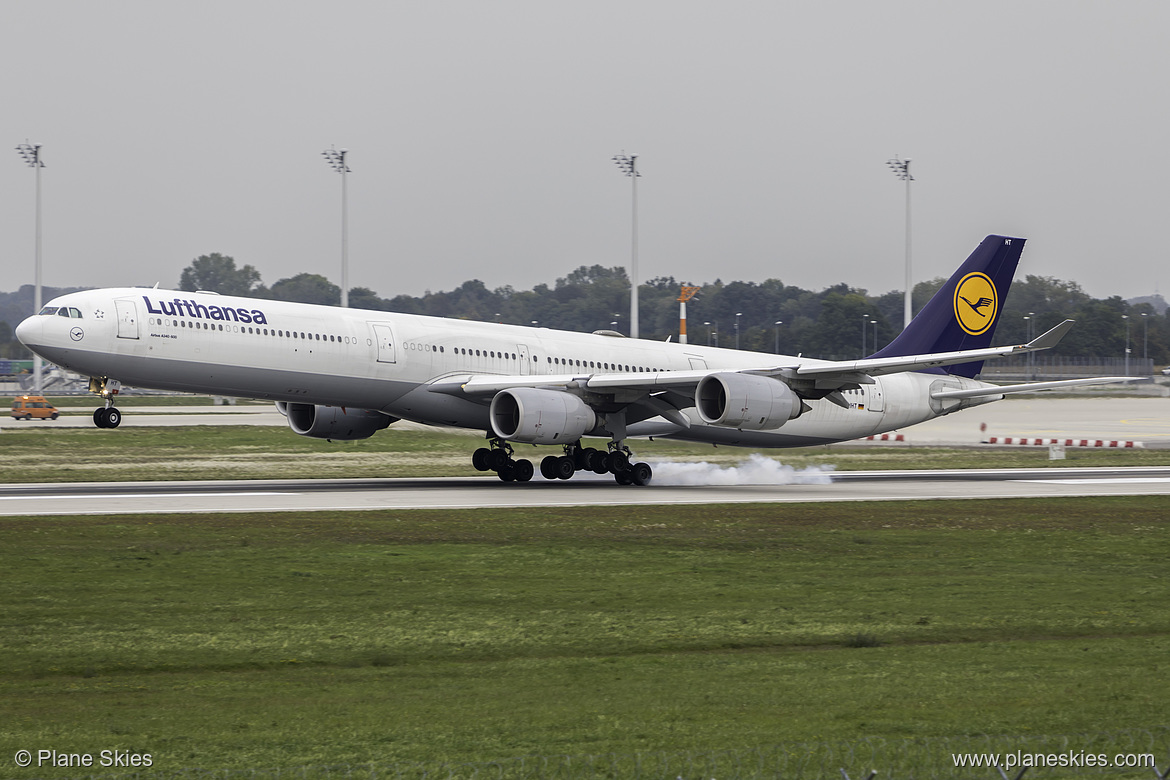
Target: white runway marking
x,y
1101,481
92,496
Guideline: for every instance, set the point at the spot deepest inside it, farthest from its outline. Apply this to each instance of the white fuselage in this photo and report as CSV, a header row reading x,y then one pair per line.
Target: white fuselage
x,y
292,352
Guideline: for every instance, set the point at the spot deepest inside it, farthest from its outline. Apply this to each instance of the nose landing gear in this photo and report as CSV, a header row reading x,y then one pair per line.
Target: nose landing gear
x,y
108,416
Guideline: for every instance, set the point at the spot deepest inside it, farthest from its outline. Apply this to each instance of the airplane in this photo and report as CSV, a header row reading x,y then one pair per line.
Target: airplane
x,y
345,374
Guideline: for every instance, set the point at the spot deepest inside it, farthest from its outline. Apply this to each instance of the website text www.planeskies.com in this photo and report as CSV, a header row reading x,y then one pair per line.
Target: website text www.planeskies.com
x,y
1065,759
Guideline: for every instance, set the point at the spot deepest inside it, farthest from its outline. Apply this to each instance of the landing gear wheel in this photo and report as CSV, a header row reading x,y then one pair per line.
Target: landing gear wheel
x,y
497,459
107,417
508,472
548,467
641,473
522,470
624,478
481,459
565,467
619,461
600,463
583,459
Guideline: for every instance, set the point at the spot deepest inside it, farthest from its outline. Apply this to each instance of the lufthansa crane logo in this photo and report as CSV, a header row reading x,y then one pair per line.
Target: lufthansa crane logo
x,y
976,303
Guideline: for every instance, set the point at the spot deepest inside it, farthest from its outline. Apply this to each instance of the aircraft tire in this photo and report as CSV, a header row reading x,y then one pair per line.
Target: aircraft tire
x,y
507,472
624,478
600,461
584,459
479,459
619,461
523,470
99,418
565,469
497,459
641,473
548,468
113,417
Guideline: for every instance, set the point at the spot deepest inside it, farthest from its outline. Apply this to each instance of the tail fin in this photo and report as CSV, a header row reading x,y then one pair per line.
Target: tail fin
x,y
963,313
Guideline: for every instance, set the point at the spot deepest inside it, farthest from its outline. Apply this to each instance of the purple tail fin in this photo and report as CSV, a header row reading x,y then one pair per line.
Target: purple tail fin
x,y
963,313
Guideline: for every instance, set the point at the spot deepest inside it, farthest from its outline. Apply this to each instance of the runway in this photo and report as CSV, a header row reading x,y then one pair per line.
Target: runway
x,y
481,492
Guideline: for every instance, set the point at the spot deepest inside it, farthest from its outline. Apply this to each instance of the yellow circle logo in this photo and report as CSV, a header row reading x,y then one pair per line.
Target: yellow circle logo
x,y
976,303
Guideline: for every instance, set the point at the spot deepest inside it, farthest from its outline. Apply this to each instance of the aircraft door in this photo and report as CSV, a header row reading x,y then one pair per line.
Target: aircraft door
x,y
697,362
127,318
385,340
525,359
873,396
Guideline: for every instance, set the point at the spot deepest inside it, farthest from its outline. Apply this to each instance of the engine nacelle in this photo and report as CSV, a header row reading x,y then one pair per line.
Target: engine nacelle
x,y
333,422
746,401
535,416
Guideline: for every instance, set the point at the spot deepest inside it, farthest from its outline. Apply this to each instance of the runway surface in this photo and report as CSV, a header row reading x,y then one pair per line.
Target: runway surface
x,y
480,492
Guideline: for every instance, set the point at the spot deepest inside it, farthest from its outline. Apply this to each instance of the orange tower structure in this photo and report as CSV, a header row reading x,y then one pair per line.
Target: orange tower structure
x,y
684,295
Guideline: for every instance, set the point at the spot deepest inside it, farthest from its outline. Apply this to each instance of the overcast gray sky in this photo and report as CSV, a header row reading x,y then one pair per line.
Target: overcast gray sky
x,y
480,136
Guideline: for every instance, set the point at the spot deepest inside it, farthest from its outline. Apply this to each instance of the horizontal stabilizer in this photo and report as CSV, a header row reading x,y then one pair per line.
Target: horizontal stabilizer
x,y
1034,386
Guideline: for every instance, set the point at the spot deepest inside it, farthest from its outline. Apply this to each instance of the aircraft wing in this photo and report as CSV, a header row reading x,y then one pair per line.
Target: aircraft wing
x,y
490,384
809,376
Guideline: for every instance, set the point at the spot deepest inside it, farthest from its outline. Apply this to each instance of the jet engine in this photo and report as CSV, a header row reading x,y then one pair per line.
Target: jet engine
x,y
746,401
535,416
333,422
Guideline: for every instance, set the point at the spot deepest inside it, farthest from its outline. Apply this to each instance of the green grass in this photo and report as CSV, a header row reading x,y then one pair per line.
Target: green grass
x,y
31,454
292,639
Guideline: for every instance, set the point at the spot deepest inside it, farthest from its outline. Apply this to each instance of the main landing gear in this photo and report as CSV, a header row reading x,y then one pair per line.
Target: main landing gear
x,y
615,461
108,416
499,459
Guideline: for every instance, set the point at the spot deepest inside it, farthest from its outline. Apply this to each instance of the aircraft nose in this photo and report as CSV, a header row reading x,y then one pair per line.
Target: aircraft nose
x,y
29,331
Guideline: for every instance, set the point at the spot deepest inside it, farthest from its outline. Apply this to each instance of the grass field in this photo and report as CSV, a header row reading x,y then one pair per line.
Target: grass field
x,y
296,639
31,454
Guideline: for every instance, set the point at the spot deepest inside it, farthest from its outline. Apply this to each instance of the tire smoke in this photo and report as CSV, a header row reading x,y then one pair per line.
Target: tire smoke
x,y
756,469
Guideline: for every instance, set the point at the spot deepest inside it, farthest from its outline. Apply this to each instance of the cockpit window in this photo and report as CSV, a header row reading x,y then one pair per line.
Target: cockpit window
x,y
49,310
75,313
63,312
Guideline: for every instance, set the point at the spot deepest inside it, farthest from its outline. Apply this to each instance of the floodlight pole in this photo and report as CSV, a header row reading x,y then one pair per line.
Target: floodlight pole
x,y
1145,337
901,169
629,166
336,160
1126,318
778,323
31,153
864,323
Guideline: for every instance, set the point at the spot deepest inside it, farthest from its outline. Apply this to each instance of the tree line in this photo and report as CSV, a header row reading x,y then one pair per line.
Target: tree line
x,y
839,322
